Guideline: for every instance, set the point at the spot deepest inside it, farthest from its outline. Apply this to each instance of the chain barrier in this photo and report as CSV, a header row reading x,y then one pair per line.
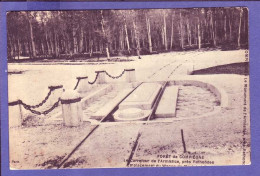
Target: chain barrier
x,y
44,101
97,73
115,77
77,84
55,105
52,88
79,78
94,79
27,107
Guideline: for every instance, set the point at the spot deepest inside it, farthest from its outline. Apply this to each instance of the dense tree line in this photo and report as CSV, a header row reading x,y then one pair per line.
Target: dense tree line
x,y
72,34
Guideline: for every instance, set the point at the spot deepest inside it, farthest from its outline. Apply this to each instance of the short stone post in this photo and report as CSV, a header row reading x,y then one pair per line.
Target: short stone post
x,y
71,108
130,75
83,84
55,94
101,79
15,114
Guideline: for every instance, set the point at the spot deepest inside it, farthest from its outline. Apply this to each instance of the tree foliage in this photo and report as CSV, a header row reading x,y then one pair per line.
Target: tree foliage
x,y
72,34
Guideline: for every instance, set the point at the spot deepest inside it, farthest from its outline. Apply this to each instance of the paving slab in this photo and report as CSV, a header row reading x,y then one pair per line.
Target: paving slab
x,y
105,110
143,97
168,103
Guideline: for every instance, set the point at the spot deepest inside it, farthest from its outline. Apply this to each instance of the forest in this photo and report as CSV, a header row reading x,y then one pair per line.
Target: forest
x,y
107,33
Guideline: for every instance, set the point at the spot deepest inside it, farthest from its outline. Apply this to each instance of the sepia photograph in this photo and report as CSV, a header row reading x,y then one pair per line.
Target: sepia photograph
x,y
128,88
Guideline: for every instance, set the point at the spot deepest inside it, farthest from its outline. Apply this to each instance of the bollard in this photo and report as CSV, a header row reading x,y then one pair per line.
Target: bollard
x,y
83,86
101,79
56,93
71,108
130,75
15,114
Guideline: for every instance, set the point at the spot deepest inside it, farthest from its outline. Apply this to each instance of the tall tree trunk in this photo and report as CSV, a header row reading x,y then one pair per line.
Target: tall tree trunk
x,y
199,34
18,48
90,42
52,45
244,25
172,34
165,32
31,36
181,33
213,29
10,47
163,37
74,30
239,28
121,39
81,39
95,42
149,33
104,33
66,43
189,32
90,48
86,44
42,48
225,27
47,42
14,48
29,48
126,36
230,26
215,33
137,40
132,39
56,45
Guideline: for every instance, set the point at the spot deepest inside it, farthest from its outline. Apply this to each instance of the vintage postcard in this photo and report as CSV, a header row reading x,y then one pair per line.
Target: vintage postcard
x,y
128,88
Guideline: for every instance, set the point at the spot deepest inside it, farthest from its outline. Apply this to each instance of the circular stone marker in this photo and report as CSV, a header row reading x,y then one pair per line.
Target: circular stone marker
x,y
130,114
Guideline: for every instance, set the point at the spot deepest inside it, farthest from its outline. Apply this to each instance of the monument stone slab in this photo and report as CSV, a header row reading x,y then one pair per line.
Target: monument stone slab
x,y
143,97
168,102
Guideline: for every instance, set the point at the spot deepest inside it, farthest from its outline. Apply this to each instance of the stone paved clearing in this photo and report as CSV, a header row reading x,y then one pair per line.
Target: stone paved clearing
x,y
42,145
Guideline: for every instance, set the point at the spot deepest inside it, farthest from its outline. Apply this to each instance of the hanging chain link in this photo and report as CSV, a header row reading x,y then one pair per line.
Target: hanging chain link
x,y
94,79
32,108
38,105
27,107
55,105
77,84
115,77
44,101
79,78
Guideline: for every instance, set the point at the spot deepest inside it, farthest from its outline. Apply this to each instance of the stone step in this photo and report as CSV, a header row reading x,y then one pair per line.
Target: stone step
x,y
105,110
143,97
168,102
